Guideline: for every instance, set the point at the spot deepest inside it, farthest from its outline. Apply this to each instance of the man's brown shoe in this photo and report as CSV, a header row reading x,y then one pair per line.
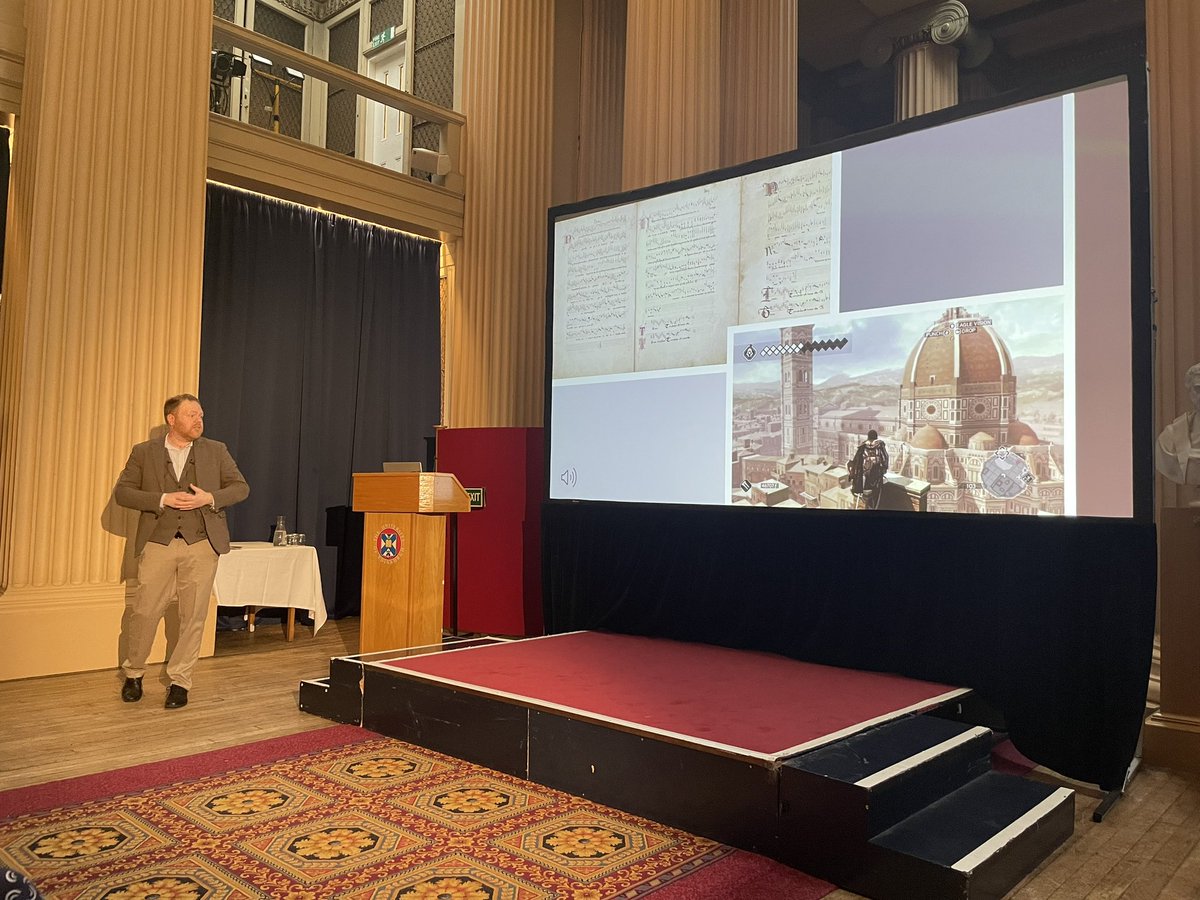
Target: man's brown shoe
x,y
176,697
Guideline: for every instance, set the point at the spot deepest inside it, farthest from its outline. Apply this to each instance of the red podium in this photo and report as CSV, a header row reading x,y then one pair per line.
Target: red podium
x,y
404,555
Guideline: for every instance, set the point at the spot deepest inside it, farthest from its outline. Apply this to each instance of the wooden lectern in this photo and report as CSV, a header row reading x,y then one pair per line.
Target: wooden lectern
x,y
404,555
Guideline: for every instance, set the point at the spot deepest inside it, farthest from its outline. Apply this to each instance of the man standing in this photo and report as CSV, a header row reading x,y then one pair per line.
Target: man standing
x,y
182,486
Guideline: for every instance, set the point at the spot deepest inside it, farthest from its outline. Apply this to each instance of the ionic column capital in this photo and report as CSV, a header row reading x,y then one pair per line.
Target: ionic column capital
x,y
944,23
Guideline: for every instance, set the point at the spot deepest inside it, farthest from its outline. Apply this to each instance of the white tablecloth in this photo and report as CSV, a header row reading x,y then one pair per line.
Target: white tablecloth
x,y
256,573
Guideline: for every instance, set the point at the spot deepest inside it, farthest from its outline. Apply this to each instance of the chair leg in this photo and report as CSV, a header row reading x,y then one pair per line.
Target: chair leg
x,y
291,623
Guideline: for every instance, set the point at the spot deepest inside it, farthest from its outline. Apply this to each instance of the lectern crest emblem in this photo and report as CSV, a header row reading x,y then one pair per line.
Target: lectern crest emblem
x,y
389,543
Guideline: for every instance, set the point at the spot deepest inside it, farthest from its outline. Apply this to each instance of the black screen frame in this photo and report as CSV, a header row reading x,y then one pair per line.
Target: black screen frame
x,y
1141,294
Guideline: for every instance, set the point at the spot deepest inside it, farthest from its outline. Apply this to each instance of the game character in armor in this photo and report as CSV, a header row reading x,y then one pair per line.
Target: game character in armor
x,y
867,468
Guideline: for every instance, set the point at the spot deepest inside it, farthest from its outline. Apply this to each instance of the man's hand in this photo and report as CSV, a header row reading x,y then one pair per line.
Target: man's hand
x,y
185,500
203,497
178,500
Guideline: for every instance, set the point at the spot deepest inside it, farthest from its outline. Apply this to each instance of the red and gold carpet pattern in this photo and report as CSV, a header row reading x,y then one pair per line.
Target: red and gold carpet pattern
x,y
373,818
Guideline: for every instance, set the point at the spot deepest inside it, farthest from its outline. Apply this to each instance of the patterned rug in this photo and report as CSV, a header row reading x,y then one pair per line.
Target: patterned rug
x,y
347,813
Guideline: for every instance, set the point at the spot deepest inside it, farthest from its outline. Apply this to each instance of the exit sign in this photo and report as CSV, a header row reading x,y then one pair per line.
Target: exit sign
x,y
383,37
477,496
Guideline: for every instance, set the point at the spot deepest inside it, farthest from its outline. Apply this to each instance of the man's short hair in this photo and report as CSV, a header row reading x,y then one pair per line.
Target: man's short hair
x,y
1192,375
872,434
172,403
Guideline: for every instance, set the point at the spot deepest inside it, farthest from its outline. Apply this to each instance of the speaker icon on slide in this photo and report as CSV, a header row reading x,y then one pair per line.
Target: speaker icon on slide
x,y
568,477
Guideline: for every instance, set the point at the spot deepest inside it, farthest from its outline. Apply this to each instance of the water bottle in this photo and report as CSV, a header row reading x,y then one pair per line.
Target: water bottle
x,y
279,539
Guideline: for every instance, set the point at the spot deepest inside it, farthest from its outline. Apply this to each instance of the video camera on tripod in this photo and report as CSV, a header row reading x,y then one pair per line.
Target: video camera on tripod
x,y
224,68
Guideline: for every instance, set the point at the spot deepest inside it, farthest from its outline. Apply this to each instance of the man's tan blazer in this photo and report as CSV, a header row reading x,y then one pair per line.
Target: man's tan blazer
x,y
149,474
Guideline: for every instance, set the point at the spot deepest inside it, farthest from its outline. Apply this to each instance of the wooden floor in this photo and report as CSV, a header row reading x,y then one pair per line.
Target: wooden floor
x,y
77,725
66,725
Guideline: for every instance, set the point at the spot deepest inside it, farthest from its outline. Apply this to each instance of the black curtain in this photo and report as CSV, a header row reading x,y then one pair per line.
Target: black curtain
x,y
319,356
1051,620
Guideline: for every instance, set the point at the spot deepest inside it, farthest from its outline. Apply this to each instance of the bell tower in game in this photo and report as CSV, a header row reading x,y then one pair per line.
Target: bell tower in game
x,y
795,381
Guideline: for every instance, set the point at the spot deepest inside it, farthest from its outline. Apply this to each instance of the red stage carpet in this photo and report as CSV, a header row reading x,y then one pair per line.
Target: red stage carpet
x,y
343,812
730,699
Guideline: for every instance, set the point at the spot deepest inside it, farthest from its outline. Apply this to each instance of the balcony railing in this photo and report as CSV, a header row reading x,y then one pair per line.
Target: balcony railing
x,y
261,81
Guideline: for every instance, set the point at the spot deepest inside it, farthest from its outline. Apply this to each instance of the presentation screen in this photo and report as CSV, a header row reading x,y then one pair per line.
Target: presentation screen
x,y
938,321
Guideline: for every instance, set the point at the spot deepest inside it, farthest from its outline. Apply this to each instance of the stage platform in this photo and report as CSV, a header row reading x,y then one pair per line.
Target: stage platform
x,y
864,778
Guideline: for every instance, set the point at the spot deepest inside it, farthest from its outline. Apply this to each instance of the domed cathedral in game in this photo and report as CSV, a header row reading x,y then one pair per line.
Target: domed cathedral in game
x,y
958,427
954,438
959,379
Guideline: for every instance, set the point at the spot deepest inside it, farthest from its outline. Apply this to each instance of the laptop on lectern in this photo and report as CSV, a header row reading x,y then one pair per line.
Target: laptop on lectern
x,y
402,467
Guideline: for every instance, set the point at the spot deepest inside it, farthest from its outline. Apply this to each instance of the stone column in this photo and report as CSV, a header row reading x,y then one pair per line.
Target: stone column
x,y
1172,736
759,72
928,45
672,90
495,320
101,314
926,79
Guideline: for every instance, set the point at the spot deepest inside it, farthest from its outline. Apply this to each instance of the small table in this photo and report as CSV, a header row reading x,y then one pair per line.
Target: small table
x,y
255,574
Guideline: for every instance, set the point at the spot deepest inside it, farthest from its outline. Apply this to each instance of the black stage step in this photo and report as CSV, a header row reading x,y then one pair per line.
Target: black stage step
x,y
856,812
982,839
329,701
337,697
894,770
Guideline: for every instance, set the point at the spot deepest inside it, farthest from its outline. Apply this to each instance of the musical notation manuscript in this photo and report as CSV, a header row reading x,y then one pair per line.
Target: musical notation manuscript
x,y
654,285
